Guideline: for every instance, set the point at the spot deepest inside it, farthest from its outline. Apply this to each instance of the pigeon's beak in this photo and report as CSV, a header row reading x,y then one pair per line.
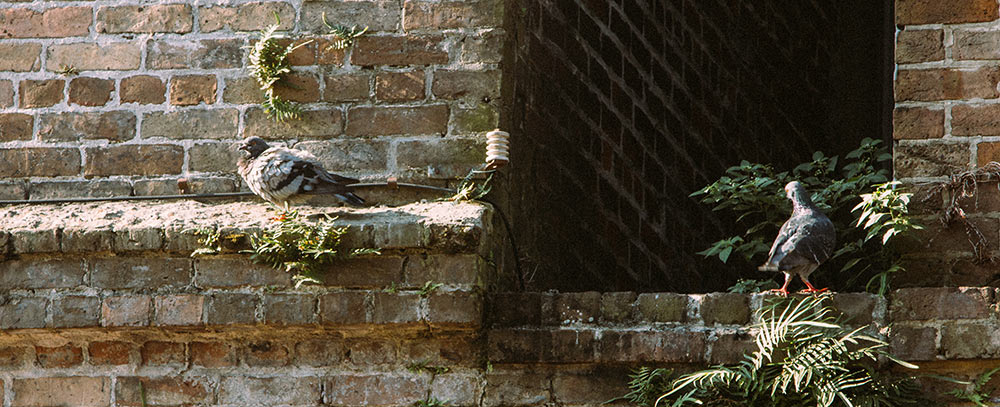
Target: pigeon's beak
x,y
243,147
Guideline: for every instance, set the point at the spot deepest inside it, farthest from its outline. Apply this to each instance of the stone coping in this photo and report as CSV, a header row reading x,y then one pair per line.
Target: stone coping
x,y
171,226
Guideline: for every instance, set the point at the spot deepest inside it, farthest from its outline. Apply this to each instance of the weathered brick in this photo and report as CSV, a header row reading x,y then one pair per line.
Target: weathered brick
x,y
109,353
516,388
16,126
147,159
947,84
377,15
513,309
938,12
399,86
34,240
973,120
917,123
90,91
385,121
224,309
6,93
461,390
347,307
731,348
474,85
42,93
213,354
482,47
373,50
375,389
160,353
204,54
139,272
455,307
302,87
663,307
289,309
858,308
327,52
175,18
59,356
19,313
349,156
427,158
53,22
347,88
72,392
313,124
75,311
395,308
455,269
941,303
371,351
517,345
986,152
930,160
318,352
373,271
419,14
212,157
617,306
143,89
570,308
191,124
246,17
725,308
12,190
184,309
936,237
74,126
163,391
193,185
266,353
14,357
128,310
915,46
913,343
969,341
242,90
237,272
670,346
242,390
22,57
585,387
482,117
119,56
137,239
39,162
304,52
193,89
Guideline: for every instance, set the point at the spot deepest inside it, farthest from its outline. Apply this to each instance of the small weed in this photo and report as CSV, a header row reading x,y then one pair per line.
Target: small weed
x,y
977,395
430,402
208,238
391,289
423,366
345,35
67,70
428,288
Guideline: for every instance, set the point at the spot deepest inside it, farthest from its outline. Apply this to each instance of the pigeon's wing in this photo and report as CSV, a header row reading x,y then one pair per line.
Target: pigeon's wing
x,y
810,240
785,234
287,172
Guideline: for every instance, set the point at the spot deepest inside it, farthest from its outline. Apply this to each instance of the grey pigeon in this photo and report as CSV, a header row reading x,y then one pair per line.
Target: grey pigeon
x,y
278,174
804,242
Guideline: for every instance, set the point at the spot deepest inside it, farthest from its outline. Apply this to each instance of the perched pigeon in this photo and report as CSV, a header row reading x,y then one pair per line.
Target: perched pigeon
x,y
804,242
277,173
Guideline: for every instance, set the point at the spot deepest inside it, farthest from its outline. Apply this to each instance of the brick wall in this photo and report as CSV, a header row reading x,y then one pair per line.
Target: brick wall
x,y
946,122
162,92
619,110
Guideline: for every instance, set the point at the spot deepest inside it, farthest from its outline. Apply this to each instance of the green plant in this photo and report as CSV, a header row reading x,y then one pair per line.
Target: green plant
x,y
744,286
754,194
430,402
804,357
428,288
976,395
646,385
268,63
424,366
470,190
212,240
345,35
300,247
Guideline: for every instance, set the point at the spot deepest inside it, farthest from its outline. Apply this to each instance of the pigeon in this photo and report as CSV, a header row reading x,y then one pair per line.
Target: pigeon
x,y
278,174
804,242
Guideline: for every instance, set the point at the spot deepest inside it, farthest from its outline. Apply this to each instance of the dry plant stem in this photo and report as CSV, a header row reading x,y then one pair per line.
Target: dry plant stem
x,y
966,185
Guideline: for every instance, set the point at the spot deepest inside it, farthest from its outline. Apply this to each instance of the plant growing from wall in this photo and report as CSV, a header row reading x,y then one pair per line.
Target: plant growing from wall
x,y
855,194
804,357
978,395
268,64
345,35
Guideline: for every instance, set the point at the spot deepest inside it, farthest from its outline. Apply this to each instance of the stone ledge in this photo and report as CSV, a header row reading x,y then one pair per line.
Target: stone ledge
x,y
128,227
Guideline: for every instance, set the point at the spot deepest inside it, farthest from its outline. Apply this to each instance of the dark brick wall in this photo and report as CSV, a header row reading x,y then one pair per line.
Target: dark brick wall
x,y
620,109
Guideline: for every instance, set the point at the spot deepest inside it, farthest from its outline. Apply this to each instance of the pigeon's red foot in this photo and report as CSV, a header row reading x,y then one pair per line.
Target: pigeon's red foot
x,y
781,291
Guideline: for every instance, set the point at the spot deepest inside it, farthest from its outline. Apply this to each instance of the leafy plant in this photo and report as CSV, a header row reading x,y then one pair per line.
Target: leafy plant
x,y
743,286
804,357
212,240
754,194
977,395
646,385
428,288
301,247
345,35
424,366
68,70
470,190
268,63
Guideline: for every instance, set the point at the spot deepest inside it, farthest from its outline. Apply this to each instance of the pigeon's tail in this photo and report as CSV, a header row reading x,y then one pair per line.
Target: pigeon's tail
x,y
351,199
769,267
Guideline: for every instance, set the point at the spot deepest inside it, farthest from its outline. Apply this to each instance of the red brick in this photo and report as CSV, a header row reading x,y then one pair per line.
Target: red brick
x,y
930,160
857,308
911,123
731,348
456,269
213,354
346,307
41,93
482,48
377,15
617,306
976,45
87,56
212,157
61,356
474,85
325,124
517,345
182,309
266,353
157,353
915,46
516,388
16,126
6,93
986,152
20,57
39,162
163,391
351,157
441,158
193,89
327,53
133,310
109,353
302,55
246,17
384,121
399,50
143,89
571,346
969,341
941,303
192,124
418,14
947,84
15,357
459,389
53,22
73,391
146,159
90,91
76,126
971,120
346,88
204,54
175,18
319,352
945,12
298,87
399,86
